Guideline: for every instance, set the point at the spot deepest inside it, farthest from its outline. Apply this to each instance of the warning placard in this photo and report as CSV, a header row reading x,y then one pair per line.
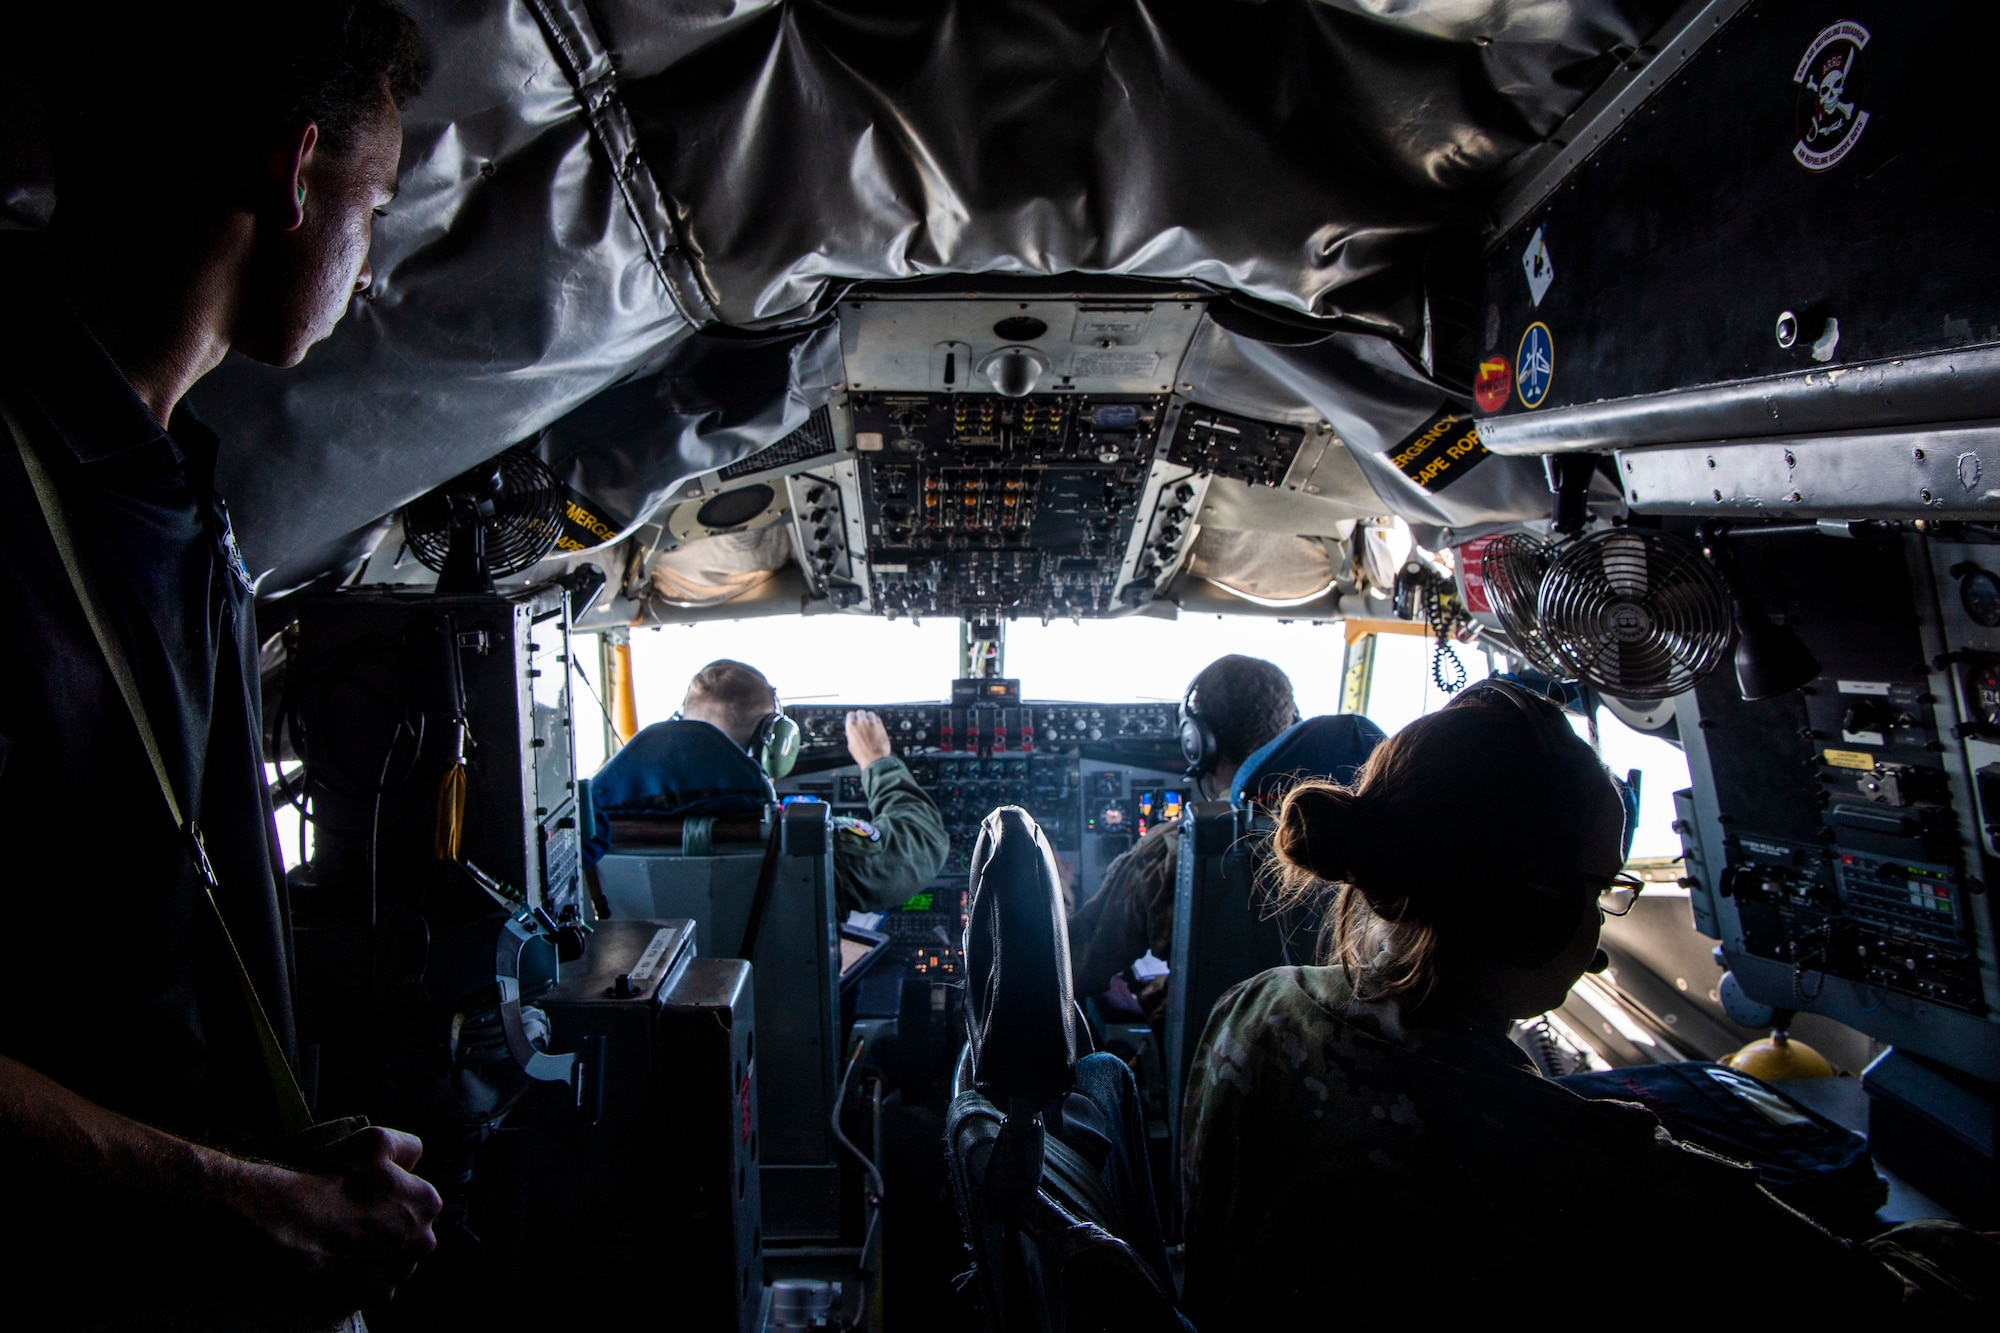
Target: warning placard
x,y
1440,451
585,523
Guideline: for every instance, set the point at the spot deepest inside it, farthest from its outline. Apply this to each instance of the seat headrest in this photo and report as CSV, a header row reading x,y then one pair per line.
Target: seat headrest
x,y
679,768
1020,1015
1332,747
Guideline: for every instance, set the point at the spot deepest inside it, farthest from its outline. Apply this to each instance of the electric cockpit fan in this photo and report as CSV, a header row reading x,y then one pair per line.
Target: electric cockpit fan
x,y
1639,613
497,519
1512,567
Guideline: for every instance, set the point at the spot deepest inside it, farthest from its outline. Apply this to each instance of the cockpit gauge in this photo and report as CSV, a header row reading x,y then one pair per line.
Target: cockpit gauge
x,y
1982,693
1979,594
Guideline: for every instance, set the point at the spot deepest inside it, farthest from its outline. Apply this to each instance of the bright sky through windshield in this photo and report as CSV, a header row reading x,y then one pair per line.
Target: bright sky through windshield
x,y
863,659
855,659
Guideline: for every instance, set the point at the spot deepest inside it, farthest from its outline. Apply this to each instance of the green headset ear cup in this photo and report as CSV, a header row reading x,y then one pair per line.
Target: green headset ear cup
x,y
776,745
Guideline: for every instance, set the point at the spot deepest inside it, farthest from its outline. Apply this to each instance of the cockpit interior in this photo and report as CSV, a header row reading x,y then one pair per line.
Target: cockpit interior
x,y
1636,354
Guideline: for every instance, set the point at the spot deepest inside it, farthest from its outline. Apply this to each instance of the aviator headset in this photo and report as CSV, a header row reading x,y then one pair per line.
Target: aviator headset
x,y
1200,746
1523,921
775,744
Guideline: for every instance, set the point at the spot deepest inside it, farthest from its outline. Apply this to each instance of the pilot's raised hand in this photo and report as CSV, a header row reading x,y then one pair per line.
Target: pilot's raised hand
x,y
867,738
356,1221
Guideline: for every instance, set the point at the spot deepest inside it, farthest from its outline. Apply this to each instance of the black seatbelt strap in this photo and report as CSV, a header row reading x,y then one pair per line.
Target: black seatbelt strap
x,y
767,875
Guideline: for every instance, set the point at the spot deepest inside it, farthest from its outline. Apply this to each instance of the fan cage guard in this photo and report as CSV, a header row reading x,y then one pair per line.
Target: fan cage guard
x,y
1513,566
526,521
1638,613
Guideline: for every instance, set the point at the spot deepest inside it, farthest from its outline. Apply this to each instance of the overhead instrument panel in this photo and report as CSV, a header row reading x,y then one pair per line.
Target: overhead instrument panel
x,y
1225,445
981,504
829,535
1003,457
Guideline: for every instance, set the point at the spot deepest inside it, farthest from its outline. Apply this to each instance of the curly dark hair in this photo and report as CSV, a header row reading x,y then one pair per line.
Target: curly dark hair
x,y
193,88
1246,701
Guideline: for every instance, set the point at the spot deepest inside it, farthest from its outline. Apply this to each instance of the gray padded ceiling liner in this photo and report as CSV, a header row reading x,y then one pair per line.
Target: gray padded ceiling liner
x,y
597,197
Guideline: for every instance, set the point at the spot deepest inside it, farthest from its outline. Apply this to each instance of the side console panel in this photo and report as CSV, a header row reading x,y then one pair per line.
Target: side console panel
x,y
1840,850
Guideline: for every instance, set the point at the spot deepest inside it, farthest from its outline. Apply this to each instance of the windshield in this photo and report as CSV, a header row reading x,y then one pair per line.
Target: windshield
x,y
851,660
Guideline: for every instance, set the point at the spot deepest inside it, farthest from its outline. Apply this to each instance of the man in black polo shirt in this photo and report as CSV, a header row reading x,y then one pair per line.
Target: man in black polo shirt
x,y
216,174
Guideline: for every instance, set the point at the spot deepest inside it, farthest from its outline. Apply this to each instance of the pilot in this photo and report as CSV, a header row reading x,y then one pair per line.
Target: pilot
x,y
1241,703
1363,1137
217,175
878,862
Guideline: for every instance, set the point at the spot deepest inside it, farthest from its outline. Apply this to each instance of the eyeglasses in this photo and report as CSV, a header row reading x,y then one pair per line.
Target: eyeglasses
x,y
1617,897
1613,899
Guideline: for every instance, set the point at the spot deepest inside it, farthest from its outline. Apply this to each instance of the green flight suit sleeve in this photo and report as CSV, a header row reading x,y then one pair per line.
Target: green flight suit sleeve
x,y
875,874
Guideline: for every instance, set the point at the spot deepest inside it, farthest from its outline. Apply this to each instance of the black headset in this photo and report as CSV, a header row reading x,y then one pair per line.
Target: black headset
x,y
1199,744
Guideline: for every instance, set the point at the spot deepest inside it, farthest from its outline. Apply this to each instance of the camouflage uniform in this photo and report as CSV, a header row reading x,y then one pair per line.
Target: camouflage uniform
x,y
1338,1160
878,862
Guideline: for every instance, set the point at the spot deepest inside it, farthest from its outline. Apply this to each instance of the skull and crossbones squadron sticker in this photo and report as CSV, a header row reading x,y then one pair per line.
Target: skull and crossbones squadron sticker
x,y
1830,115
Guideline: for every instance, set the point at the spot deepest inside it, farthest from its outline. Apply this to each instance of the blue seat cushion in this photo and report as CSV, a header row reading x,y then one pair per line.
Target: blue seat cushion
x,y
675,769
1332,747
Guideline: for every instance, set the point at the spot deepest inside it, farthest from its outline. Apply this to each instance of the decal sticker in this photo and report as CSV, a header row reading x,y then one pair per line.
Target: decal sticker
x,y
1850,759
1830,116
1535,365
1494,385
1536,264
1440,451
1115,365
860,828
1471,575
654,958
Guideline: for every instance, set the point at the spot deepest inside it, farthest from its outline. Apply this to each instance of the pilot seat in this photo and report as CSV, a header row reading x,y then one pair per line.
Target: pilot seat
x,y
685,824
1222,932
1046,1147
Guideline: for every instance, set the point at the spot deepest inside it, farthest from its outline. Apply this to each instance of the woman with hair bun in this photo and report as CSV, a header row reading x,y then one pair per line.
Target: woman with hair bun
x,y
1363,1138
